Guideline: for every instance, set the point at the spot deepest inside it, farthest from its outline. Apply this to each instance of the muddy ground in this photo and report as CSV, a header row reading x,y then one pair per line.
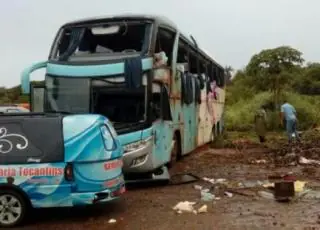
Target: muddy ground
x,y
151,208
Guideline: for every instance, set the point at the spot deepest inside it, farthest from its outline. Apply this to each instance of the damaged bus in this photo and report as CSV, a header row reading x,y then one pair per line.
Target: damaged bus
x,y
163,94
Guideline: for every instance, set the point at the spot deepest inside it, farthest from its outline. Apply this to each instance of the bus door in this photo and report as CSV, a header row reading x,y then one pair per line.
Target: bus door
x,y
162,126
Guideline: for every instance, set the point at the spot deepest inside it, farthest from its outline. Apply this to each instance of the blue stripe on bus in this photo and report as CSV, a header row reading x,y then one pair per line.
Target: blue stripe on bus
x,y
92,70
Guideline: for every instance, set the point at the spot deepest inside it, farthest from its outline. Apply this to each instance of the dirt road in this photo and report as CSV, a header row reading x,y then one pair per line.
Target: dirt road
x,y
151,208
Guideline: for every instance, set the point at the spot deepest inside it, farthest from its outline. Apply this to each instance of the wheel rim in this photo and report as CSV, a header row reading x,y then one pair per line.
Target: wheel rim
x,y
10,209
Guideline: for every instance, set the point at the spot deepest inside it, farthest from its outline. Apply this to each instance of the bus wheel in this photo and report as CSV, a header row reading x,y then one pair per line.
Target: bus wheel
x,y
175,152
13,208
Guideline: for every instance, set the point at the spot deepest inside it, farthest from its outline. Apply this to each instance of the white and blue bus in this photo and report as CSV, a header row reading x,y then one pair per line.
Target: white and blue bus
x,y
163,94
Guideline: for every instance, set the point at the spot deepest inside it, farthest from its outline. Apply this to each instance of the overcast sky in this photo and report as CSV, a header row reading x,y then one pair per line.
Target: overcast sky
x,y
231,31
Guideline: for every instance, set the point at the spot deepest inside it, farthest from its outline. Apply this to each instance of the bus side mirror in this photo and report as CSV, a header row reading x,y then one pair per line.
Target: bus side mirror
x,y
37,97
25,75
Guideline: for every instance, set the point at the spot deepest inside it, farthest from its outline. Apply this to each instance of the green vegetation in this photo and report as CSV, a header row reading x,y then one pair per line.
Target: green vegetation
x,y
13,95
270,77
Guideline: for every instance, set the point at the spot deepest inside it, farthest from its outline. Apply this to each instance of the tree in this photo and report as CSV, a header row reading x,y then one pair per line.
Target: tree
x,y
228,70
309,82
271,68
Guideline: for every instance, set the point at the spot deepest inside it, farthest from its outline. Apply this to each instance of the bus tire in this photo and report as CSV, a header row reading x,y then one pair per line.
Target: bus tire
x,y
12,204
176,150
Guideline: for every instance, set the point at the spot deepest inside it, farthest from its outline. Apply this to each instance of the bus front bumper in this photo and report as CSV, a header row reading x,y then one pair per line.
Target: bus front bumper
x,y
88,198
139,160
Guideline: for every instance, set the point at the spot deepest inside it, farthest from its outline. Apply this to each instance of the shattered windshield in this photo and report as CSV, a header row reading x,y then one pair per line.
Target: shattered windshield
x,y
67,95
121,37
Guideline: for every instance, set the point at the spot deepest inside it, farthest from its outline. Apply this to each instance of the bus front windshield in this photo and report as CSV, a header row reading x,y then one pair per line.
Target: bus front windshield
x,y
67,95
122,38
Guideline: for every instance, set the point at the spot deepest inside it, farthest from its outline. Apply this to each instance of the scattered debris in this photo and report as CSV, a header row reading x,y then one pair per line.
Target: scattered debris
x,y
212,181
252,184
284,190
203,209
228,194
305,161
258,161
313,195
197,187
244,192
112,221
205,190
184,206
220,181
266,195
206,196
299,186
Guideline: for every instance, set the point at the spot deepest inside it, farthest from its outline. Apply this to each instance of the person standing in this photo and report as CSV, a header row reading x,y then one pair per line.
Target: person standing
x,y
289,115
260,120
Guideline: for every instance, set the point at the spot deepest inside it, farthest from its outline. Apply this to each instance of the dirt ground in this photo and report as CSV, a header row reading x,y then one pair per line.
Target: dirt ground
x,y
152,208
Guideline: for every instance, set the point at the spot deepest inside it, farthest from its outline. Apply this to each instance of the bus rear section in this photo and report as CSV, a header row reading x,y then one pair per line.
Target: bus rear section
x,y
50,160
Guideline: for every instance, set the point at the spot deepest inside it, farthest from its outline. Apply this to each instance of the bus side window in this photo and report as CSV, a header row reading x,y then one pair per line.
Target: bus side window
x,y
193,65
183,52
165,43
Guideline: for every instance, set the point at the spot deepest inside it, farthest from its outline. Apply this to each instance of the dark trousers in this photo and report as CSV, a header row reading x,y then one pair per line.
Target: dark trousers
x,y
262,139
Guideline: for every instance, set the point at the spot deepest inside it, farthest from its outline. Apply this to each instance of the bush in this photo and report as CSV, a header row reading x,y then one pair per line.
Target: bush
x,y
239,116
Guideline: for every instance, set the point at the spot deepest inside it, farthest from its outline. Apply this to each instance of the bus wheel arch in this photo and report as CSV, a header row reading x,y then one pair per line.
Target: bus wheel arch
x,y
176,153
21,200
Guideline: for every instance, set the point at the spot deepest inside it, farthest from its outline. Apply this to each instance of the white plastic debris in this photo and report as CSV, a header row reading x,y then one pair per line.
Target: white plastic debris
x,y
184,206
212,181
197,187
203,209
229,194
217,198
205,190
303,160
112,221
221,180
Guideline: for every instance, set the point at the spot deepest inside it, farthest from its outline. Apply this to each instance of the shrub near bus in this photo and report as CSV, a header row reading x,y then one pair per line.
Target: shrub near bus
x,y
50,160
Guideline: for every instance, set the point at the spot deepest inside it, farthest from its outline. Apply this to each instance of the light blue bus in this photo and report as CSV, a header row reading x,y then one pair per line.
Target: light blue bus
x,y
163,95
54,160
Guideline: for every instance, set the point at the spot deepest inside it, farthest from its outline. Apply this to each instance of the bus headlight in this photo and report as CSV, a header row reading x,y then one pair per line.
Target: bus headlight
x,y
137,145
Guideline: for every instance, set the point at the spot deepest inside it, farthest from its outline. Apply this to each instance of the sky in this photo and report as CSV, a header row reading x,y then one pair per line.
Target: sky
x,y
230,31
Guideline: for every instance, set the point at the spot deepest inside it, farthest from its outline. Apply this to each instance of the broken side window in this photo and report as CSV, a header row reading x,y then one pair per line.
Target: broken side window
x,y
165,43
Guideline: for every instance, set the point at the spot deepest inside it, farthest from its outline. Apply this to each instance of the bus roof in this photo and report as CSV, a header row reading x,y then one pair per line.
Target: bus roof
x,y
128,16
162,20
